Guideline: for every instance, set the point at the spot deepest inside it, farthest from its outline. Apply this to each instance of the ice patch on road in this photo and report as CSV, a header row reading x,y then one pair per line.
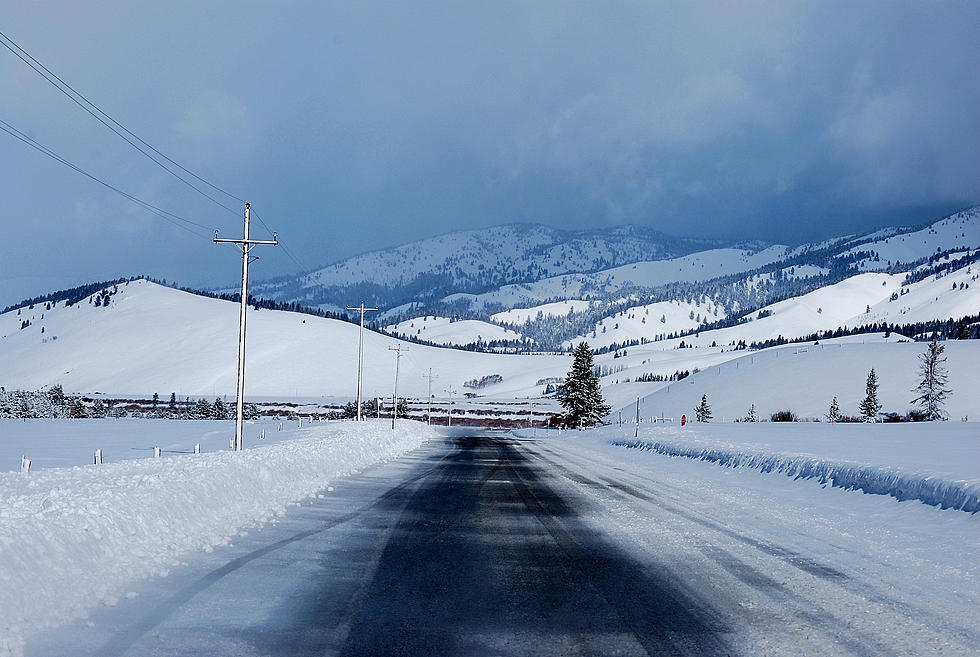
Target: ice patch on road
x,y
75,538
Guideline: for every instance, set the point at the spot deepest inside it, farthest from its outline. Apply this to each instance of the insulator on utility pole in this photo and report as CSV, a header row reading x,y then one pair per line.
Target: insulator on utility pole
x,y
360,354
246,245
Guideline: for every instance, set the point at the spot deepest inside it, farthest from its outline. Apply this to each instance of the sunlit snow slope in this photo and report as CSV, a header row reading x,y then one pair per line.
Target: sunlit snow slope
x,y
155,339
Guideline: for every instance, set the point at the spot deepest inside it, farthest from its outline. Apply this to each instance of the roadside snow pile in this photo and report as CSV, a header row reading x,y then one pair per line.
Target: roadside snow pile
x,y
934,463
851,476
74,538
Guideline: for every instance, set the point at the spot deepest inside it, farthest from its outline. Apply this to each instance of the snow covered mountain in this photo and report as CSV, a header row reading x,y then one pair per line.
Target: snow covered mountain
x,y
140,338
514,285
474,261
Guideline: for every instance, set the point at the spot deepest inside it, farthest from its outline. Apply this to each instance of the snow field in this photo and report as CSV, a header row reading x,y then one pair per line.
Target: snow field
x,y
75,538
444,331
62,443
910,570
804,378
935,463
289,354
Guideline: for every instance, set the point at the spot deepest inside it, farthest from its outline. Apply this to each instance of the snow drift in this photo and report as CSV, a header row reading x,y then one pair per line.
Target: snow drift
x,y
934,490
74,538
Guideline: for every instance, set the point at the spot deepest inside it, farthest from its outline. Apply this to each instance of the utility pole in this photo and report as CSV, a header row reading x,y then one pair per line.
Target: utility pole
x,y
430,376
394,395
451,391
360,355
246,245
636,432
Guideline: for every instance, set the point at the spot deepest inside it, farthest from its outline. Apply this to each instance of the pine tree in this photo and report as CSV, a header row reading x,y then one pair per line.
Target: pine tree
x,y
834,414
580,394
202,410
172,405
870,406
932,389
751,417
218,410
703,412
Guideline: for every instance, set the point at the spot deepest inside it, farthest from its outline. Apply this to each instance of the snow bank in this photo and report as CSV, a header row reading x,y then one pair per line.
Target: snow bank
x,y
935,490
74,538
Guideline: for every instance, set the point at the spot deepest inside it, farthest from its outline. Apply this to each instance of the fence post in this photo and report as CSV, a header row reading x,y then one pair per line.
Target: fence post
x,y
262,437
156,452
197,448
98,457
25,464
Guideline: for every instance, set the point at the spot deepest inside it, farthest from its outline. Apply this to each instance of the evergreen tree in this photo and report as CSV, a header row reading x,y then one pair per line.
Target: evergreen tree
x,y
56,394
251,411
78,409
834,414
870,406
202,410
172,405
99,408
751,417
703,412
932,389
580,394
219,411
156,400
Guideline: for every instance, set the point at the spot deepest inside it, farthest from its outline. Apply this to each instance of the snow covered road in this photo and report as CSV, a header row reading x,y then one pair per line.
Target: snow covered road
x,y
491,545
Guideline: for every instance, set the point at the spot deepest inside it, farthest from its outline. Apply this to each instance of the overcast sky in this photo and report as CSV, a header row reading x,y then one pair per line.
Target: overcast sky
x,y
357,125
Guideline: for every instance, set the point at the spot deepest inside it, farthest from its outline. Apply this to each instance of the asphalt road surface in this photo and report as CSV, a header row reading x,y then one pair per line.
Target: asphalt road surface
x,y
487,545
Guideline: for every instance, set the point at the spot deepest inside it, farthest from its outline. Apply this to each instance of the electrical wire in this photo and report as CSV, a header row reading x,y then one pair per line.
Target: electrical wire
x,y
281,243
112,124
117,128
164,214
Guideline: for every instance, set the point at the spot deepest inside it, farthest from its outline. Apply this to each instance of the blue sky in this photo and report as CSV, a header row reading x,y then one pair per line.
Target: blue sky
x,y
354,126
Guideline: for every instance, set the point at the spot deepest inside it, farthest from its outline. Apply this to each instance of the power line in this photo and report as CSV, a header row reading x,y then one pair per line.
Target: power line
x,y
164,214
117,128
112,124
281,243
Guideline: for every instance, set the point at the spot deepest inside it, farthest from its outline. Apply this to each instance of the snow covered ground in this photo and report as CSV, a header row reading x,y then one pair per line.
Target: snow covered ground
x,y
555,309
937,463
856,301
804,378
444,331
75,538
700,266
960,229
902,578
60,443
164,340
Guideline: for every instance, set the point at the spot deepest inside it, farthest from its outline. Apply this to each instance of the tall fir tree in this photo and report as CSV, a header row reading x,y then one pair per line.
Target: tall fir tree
x,y
870,406
932,388
580,394
703,412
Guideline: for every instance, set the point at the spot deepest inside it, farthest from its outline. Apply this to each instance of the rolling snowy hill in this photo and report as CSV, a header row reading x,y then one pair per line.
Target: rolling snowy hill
x,y
150,338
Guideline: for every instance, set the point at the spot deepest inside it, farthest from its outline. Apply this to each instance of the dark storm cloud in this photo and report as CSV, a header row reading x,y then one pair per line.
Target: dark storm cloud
x,y
357,125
